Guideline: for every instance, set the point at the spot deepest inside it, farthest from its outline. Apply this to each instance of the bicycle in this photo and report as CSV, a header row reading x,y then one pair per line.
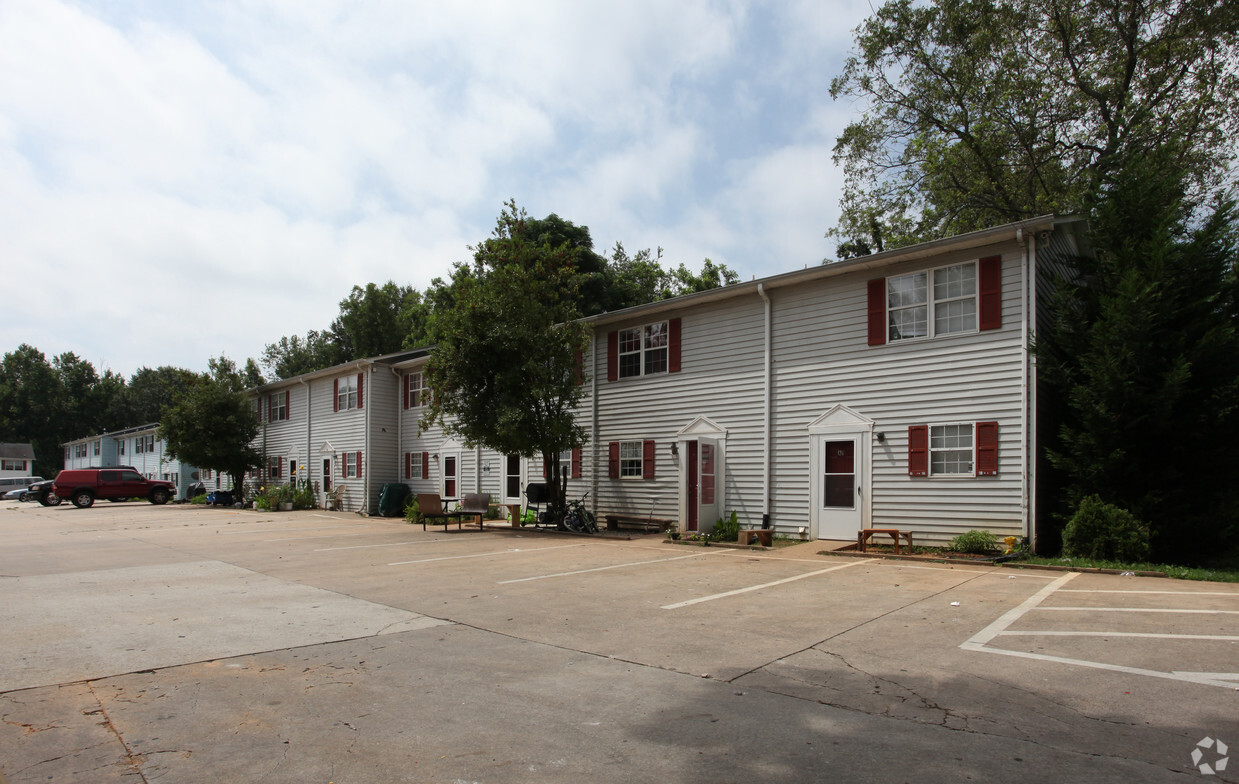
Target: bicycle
x,y
578,519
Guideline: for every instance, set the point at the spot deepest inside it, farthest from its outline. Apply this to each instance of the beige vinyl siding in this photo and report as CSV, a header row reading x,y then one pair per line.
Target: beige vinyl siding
x,y
720,378
822,358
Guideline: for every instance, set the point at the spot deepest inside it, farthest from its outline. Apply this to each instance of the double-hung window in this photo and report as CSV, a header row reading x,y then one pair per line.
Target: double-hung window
x,y
630,459
643,350
416,393
933,302
278,406
957,299
953,449
346,393
950,450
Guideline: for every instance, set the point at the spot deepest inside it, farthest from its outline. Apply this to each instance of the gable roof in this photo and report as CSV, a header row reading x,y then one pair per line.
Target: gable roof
x,y
17,451
1010,232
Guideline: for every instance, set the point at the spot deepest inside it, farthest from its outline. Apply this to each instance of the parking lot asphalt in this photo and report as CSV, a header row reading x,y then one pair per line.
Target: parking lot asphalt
x,y
183,644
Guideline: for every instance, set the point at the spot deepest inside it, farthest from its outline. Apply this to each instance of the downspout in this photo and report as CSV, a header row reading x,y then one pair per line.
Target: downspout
x,y
400,393
593,426
365,470
1032,396
766,407
309,448
1026,316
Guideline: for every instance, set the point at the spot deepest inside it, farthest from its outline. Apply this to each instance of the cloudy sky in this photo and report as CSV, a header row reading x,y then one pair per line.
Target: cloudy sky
x,y
184,180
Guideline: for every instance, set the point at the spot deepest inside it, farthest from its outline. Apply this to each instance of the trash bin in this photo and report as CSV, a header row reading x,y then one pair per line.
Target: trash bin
x,y
391,499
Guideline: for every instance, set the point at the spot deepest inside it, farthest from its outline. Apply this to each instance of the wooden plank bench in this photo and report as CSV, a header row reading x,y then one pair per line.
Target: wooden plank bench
x,y
764,536
647,524
863,536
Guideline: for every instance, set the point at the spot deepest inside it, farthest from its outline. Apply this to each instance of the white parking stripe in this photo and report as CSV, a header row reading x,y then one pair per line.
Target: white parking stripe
x,y
1232,594
978,642
1141,610
486,555
725,594
604,568
1151,635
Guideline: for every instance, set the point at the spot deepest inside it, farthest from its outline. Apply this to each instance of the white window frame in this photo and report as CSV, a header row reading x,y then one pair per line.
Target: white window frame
x,y
350,463
647,344
279,407
931,296
416,381
630,466
346,393
943,443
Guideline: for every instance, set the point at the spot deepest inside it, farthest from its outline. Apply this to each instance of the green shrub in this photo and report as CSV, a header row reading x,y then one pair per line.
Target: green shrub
x,y
1103,531
975,542
726,530
411,512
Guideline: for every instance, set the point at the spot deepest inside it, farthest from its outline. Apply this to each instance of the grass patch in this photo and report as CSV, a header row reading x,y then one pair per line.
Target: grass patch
x,y
1228,573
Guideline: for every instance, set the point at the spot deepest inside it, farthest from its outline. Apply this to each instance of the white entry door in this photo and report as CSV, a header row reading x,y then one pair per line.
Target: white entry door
x,y
838,493
709,483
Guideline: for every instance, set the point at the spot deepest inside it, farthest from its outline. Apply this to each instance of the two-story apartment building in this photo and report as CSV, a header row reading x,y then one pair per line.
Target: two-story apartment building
x,y
139,447
893,390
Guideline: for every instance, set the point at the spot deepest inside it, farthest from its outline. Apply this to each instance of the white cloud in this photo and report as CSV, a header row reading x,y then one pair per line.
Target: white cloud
x,y
211,178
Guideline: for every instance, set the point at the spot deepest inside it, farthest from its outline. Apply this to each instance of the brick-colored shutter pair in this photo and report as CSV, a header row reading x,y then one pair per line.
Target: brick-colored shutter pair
x,y
986,445
674,342
989,302
647,460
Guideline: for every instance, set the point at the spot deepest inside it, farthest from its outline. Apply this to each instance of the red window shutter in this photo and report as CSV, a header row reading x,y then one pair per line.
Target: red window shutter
x,y
647,460
987,449
613,460
612,356
406,390
361,381
288,404
408,465
282,474
359,465
990,285
576,463
673,345
335,395
918,450
877,312
578,368
270,401
425,465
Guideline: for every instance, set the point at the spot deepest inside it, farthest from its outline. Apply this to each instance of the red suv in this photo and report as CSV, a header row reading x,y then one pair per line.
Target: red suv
x,y
83,485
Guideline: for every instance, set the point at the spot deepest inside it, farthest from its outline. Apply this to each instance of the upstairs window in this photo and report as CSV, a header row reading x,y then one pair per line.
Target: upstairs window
x,y
277,407
416,394
650,349
349,392
950,300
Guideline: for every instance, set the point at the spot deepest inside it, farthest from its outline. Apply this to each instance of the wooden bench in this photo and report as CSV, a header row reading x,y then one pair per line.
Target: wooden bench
x,y
764,536
863,536
646,524
475,505
514,515
430,508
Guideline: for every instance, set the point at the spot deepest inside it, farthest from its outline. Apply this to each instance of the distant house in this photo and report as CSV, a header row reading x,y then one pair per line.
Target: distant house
x,y
16,460
138,447
893,390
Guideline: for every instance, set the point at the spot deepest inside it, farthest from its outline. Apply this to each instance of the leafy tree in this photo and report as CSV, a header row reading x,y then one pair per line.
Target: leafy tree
x,y
212,424
293,355
712,276
987,111
148,394
504,371
1141,361
376,320
31,399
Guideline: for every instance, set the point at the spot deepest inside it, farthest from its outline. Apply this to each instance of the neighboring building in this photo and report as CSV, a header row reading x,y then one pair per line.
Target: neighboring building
x,y
893,390
138,447
16,460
